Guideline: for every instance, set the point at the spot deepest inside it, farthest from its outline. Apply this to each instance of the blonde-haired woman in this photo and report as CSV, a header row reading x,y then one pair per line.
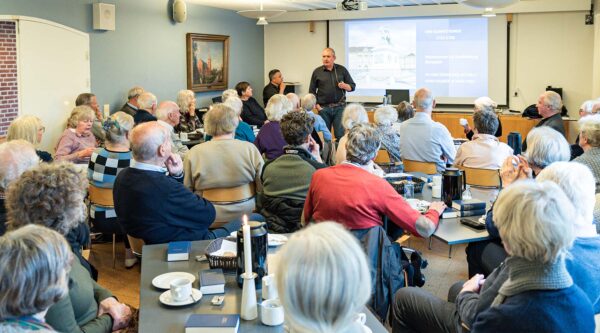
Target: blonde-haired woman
x,y
105,164
323,280
269,140
353,114
186,100
31,129
77,143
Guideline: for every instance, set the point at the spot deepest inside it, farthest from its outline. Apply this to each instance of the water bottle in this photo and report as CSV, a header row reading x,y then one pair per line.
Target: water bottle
x,y
409,188
385,101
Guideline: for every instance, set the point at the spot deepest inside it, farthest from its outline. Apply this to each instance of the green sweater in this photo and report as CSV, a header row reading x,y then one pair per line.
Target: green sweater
x,y
78,311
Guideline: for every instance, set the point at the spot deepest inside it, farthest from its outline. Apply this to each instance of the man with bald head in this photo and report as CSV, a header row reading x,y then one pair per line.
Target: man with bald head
x,y
424,140
146,108
168,116
151,201
549,106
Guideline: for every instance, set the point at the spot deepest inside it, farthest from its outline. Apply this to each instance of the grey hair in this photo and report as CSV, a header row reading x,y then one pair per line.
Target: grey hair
x,y
229,93
545,146
385,115
486,122
135,92
354,114
323,279
552,100
588,106
119,126
36,261
577,182
277,107
220,119
146,100
534,220
145,140
80,113
308,102
165,108
484,104
589,127
235,103
295,100
16,156
184,97
423,99
363,143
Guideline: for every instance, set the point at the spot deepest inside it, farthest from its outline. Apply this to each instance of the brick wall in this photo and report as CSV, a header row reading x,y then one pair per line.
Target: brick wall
x,y
8,75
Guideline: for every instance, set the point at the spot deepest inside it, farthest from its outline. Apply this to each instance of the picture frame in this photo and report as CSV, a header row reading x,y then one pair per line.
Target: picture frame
x,y
207,62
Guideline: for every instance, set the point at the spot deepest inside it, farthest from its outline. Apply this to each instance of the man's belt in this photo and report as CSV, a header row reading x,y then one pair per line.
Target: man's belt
x,y
333,105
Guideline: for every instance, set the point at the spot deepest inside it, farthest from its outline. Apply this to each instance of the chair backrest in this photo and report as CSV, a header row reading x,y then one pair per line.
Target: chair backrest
x,y
101,196
482,177
230,194
137,244
429,168
382,156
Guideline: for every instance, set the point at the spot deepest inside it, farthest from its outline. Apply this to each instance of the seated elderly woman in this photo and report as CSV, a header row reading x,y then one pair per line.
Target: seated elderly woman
x,y
29,128
17,156
372,197
308,103
252,113
589,141
243,131
582,263
105,164
52,195
224,162
353,114
269,140
587,108
405,112
286,179
535,224
39,261
483,104
546,146
189,122
385,117
485,151
76,144
319,296
295,100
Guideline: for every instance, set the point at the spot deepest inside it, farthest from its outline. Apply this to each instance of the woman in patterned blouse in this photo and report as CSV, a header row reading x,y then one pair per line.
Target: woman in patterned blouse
x,y
187,106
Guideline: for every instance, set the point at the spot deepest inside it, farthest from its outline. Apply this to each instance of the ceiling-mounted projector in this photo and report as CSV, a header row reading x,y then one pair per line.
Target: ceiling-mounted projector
x,y
352,5
489,3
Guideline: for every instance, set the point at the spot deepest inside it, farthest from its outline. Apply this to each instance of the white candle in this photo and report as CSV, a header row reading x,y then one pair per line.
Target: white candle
x,y
247,248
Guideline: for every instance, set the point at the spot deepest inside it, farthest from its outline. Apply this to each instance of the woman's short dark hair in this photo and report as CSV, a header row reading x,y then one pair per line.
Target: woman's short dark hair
x,y
241,87
405,111
296,127
84,99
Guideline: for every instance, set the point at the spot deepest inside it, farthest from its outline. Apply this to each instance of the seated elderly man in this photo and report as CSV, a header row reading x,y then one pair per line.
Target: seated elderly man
x,y
549,106
369,197
17,156
131,106
286,179
153,206
483,104
146,108
485,151
587,108
168,116
423,139
589,141
308,103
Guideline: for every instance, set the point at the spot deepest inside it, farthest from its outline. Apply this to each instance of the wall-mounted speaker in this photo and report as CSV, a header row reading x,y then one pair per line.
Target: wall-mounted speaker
x,y
179,11
104,16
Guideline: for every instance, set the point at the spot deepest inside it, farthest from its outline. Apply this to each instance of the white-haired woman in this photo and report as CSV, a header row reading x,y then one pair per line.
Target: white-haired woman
x,y
39,260
189,121
76,144
228,93
269,140
31,129
223,162
483,104
535,225
318,296
589,141
353,114
385,118
243,131
587,108
105,164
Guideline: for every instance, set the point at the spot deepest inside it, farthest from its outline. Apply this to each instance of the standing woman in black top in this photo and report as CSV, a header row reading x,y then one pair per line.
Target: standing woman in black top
x,y
252,112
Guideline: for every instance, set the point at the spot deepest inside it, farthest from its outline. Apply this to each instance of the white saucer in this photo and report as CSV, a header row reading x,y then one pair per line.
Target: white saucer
x,y
163,281
165,298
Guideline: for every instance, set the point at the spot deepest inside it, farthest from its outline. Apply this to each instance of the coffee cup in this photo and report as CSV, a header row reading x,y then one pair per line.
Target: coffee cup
x,y
183,136
437,180
436,191
271,312
181,289
269,289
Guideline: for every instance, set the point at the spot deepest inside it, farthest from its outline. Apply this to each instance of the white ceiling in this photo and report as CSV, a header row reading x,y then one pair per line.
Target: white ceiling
x,y
300,5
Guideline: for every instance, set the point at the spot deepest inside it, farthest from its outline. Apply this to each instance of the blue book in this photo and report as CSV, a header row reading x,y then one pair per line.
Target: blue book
x,y
212,281
209,323
179,251
470,204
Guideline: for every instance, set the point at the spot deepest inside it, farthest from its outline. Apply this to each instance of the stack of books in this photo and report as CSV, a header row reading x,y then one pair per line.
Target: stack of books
x,y
464,208
178,251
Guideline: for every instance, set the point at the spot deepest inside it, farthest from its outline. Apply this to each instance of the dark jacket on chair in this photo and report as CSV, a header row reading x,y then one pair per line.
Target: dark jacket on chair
x,y
282,215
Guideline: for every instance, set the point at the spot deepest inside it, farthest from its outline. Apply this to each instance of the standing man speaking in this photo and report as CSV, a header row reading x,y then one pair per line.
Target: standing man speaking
x,y
330,83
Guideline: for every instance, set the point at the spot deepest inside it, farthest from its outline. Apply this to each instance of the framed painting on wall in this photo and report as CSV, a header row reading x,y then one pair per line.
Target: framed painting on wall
x,y
207,62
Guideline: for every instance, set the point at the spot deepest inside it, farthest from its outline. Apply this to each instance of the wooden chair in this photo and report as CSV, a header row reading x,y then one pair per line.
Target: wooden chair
x,y
482,177
429,168
321,136
137,244
104,197
382,157
228,196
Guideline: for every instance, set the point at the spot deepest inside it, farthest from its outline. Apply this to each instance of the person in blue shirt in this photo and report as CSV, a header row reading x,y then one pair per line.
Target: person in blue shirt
x,y
308,103
243,131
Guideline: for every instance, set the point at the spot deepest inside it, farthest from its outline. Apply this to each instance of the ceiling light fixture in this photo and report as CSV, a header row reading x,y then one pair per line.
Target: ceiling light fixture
x,y
261,15
488,12
262,21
